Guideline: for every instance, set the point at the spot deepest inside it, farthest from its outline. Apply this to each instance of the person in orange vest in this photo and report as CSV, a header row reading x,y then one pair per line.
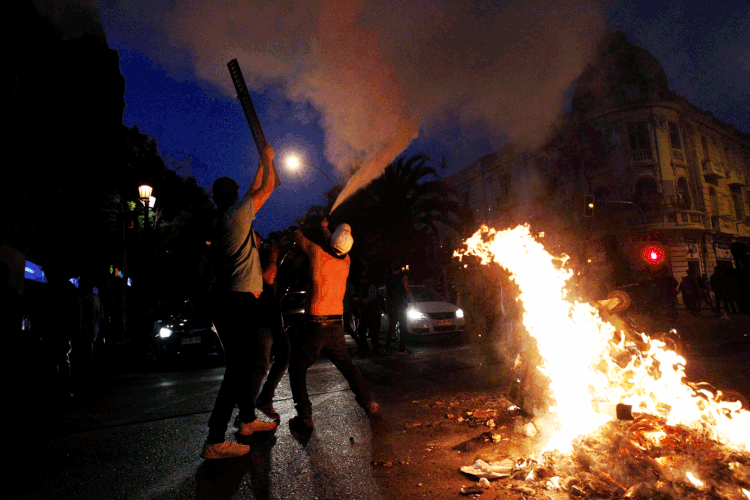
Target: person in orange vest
x,y
323,327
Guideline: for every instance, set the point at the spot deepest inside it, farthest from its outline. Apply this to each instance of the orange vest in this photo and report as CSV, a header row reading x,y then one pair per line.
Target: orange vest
x,y
327,284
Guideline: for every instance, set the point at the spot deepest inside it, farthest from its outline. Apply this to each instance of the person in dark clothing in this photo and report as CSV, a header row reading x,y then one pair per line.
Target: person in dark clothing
x,y
350,321
668,289
322,330
11,310
731,288
280,348
237,312
704,291
689,290
369,306
398,296
719,284
742,271
622,272
83,346
59,321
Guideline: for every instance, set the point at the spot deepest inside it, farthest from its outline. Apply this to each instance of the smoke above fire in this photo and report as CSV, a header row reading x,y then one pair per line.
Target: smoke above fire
x,y
380,74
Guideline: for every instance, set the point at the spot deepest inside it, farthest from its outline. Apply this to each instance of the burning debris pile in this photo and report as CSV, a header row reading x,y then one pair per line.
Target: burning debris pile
x,y
683,441
640,459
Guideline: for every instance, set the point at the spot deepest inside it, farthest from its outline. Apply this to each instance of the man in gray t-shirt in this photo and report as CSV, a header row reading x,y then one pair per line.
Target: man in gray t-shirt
x,y
236,309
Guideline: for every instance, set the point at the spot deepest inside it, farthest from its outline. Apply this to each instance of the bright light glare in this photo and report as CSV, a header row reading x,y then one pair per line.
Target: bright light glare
x,y
293,162
165,332
414,315
460,313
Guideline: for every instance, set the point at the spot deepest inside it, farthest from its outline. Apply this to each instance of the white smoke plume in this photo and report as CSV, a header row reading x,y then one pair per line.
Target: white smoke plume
x,y
381,72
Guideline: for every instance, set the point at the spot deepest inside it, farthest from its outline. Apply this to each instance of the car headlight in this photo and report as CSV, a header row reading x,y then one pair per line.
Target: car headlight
x,y
459,313
413,314
165,332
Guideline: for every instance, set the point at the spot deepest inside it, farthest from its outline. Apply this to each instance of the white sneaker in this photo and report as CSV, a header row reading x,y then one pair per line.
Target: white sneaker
x,y
226,449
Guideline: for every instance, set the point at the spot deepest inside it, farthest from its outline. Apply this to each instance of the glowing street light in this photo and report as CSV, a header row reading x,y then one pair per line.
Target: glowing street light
x,y
144,192
294,163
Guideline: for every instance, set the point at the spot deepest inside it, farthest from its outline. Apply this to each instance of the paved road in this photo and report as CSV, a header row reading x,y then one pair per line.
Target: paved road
x,y
140,437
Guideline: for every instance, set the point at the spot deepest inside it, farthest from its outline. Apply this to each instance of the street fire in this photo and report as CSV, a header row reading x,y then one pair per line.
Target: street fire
x,y
673,428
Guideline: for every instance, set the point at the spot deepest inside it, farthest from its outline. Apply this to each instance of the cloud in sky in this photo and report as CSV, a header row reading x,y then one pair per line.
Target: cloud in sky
x,y
381,73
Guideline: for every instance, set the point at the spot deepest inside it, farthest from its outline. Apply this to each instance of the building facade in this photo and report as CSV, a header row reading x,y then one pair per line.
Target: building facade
x,y
672,175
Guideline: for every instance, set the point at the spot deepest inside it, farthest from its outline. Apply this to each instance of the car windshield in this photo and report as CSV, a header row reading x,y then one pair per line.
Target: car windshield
x,y
422,294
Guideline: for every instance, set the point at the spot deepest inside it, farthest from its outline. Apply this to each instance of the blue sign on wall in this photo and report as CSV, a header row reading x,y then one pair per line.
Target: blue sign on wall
x,y
34,272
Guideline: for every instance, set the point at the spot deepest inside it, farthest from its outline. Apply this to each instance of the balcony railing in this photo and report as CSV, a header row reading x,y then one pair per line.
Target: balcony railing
x,y
643,156
723,225
743,229
713,168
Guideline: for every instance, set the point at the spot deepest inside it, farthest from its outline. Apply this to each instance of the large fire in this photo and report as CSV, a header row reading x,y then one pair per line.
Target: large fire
x,y
583,356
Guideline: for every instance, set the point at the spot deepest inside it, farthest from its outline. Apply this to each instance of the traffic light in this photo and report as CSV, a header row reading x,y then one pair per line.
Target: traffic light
x,y
588,205
653,254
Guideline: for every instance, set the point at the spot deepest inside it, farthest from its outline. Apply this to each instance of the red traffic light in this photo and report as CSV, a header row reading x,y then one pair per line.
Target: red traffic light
x,y
653,254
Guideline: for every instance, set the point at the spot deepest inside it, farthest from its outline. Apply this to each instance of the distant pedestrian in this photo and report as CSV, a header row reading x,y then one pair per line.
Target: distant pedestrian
x,y
350,317
369,306
398,296
58,319
83,346
322,330
668,290
280,348
719,285
704,288
237,311
689,290
731,288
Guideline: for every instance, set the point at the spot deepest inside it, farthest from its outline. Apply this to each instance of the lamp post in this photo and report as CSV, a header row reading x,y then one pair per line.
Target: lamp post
x,y
294,163
144,192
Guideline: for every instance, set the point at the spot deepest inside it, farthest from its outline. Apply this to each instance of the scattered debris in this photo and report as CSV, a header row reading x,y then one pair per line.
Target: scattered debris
x,y
492,470
471,490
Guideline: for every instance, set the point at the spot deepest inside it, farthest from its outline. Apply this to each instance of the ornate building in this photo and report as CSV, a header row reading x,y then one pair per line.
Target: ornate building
x,y
667,173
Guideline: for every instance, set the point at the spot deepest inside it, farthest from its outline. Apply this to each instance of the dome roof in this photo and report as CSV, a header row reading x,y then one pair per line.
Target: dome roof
x,y
621,67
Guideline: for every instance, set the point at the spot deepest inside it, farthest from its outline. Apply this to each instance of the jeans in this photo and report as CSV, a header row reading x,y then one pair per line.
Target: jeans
x,y
314,337
280,354
246,352
396,314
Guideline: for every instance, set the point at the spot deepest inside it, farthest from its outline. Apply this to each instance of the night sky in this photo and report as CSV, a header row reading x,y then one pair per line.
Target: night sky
x,y
349,84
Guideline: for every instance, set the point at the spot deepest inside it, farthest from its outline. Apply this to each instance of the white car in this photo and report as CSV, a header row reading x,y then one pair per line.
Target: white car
x,y
429,314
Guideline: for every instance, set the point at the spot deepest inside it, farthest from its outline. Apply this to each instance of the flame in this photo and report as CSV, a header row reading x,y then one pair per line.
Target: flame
x,y
696,482
582,355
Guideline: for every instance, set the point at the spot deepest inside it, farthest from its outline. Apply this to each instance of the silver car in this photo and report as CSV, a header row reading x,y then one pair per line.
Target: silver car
x,y
429,314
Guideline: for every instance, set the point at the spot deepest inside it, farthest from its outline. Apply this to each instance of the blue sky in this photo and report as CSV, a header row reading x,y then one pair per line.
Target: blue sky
x,y
453,79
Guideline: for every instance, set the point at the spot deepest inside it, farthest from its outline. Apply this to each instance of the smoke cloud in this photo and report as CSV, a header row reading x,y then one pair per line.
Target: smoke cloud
x,y
381,73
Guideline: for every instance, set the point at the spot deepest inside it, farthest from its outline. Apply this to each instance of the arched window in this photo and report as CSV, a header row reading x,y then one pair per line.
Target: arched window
x,y
683,195
647,195
714,202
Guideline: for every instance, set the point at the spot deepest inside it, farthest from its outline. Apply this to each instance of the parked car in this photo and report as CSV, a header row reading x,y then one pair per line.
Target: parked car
x,y
429,314
188,331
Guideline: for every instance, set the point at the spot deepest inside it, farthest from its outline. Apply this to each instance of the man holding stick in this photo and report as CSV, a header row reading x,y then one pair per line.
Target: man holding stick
x,y
323,326
236,309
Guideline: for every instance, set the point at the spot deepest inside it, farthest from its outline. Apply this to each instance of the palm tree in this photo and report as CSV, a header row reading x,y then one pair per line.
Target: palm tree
x,y
397,215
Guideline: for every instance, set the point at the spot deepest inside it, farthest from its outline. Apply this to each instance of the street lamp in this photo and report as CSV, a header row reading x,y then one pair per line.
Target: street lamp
x,y
144,192
294,163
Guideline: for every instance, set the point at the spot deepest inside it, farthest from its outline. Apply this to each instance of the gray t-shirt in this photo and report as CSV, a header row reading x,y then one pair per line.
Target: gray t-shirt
x,y
236,224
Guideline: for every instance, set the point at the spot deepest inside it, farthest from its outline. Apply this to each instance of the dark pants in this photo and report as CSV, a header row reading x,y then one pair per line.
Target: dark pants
x,y
312,338
246,351
280,354
728,303
369,326
396,314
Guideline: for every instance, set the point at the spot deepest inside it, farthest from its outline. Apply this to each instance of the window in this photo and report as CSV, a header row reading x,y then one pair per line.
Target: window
x,y
647,195
505,184
638,133
683,195
704,144
674,136
714,202
738,209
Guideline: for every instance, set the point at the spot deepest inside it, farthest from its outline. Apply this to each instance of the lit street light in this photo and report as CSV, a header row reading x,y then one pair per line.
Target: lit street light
x,y
144,192
294,163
